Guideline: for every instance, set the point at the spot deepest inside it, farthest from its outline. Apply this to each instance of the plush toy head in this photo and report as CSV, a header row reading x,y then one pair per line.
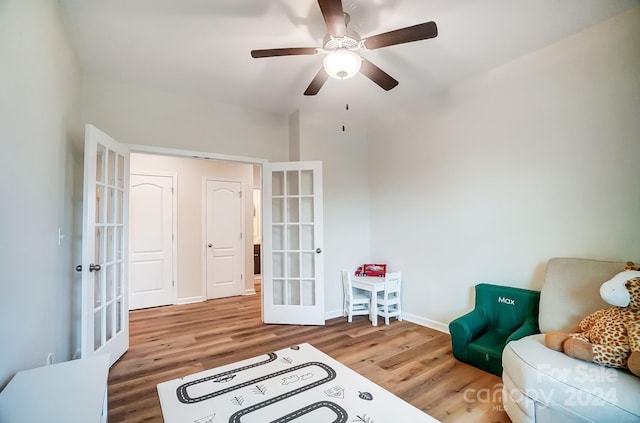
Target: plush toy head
x,y
623,290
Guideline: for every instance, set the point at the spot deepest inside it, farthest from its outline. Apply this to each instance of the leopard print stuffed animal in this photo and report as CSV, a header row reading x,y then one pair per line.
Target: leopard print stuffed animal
x,y
608,337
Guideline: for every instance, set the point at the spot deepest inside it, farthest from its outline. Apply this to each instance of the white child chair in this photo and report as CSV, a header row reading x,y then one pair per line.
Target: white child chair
x,y
356,301
389,304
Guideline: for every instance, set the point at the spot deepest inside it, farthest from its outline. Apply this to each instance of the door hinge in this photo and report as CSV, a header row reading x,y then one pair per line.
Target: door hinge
x,y
241,276
240,235
240,194
173,283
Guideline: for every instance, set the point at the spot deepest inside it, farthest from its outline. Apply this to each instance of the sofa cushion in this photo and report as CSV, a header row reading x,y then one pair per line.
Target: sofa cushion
x,y
556,381
571,291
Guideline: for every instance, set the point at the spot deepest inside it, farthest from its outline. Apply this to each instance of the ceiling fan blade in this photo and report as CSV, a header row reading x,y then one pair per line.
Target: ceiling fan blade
x,y
418,32
317,82
377,75
294,51
333,17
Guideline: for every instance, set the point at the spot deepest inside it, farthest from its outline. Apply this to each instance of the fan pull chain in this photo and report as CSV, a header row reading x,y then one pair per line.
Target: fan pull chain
x,y
346,109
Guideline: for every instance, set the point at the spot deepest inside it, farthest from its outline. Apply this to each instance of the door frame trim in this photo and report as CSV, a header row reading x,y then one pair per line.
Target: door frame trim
x,y
174,231
203,235
139,148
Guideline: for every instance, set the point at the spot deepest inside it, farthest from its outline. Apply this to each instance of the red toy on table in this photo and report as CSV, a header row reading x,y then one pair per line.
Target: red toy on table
x,y
376,270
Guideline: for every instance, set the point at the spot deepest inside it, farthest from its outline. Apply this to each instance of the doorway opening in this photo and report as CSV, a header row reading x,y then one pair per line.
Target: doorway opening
x,y
200,266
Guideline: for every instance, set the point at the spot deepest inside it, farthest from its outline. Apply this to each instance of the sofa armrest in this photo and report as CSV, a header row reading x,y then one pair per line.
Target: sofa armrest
x,y
529,327
463,330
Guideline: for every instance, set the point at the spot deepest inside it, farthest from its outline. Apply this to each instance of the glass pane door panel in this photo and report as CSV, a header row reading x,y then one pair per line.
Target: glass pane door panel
x,y
278,292
98,249
308,265
119,280
293,237
110,244
294,292
294,265
308,293
100,164
293,209
277,181
278,265
97,329
306,182
109,321
111,286
307,209
111,169
277,232
99,207
308,242
110,205
97,290
120,207
277,210
119,316
119,243
292,182
120,172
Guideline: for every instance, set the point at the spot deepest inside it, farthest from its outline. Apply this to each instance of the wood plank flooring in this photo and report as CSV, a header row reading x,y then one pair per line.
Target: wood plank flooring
x,y
411,361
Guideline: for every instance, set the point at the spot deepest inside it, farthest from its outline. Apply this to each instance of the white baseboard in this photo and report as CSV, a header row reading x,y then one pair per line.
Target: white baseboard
x,y
418,320
249,292
432,324
190,300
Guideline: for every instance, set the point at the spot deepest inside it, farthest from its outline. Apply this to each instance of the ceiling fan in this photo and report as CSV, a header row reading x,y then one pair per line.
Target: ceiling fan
x,y
341,47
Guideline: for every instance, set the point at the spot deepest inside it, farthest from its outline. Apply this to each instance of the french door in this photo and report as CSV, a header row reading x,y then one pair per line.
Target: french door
x,y
293,264
105,319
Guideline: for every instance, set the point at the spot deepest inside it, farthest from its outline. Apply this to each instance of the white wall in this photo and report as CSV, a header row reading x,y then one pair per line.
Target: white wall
x,y
535,159
190,214
346,199
137,115
39,82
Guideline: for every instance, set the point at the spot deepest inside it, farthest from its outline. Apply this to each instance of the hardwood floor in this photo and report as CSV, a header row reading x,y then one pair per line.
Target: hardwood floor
x,y
412,361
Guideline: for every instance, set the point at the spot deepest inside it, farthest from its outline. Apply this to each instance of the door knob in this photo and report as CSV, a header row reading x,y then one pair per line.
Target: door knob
x,y
318,250
209,245
79,268
94,267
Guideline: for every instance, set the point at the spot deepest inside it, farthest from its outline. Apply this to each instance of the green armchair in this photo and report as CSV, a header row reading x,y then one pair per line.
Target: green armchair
x,y
501,314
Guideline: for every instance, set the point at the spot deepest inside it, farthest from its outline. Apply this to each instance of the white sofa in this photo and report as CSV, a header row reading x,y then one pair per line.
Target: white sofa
x,y
542,385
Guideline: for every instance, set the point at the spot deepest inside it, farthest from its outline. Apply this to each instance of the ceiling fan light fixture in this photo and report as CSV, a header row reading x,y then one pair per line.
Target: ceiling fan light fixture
x,y
342,63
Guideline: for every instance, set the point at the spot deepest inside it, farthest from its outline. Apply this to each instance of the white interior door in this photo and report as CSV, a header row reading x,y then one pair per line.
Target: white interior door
x,y
105,318
152,204
293,264
224,239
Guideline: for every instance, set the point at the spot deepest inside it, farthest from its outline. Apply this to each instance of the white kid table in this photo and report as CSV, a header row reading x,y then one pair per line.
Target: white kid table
x,y
373,284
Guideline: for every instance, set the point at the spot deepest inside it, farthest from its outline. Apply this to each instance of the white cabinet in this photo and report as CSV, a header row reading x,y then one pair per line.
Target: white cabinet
x,y
71,392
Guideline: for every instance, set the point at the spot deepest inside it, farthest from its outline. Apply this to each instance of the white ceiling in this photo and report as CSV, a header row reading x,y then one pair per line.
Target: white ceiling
x,y
201,47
